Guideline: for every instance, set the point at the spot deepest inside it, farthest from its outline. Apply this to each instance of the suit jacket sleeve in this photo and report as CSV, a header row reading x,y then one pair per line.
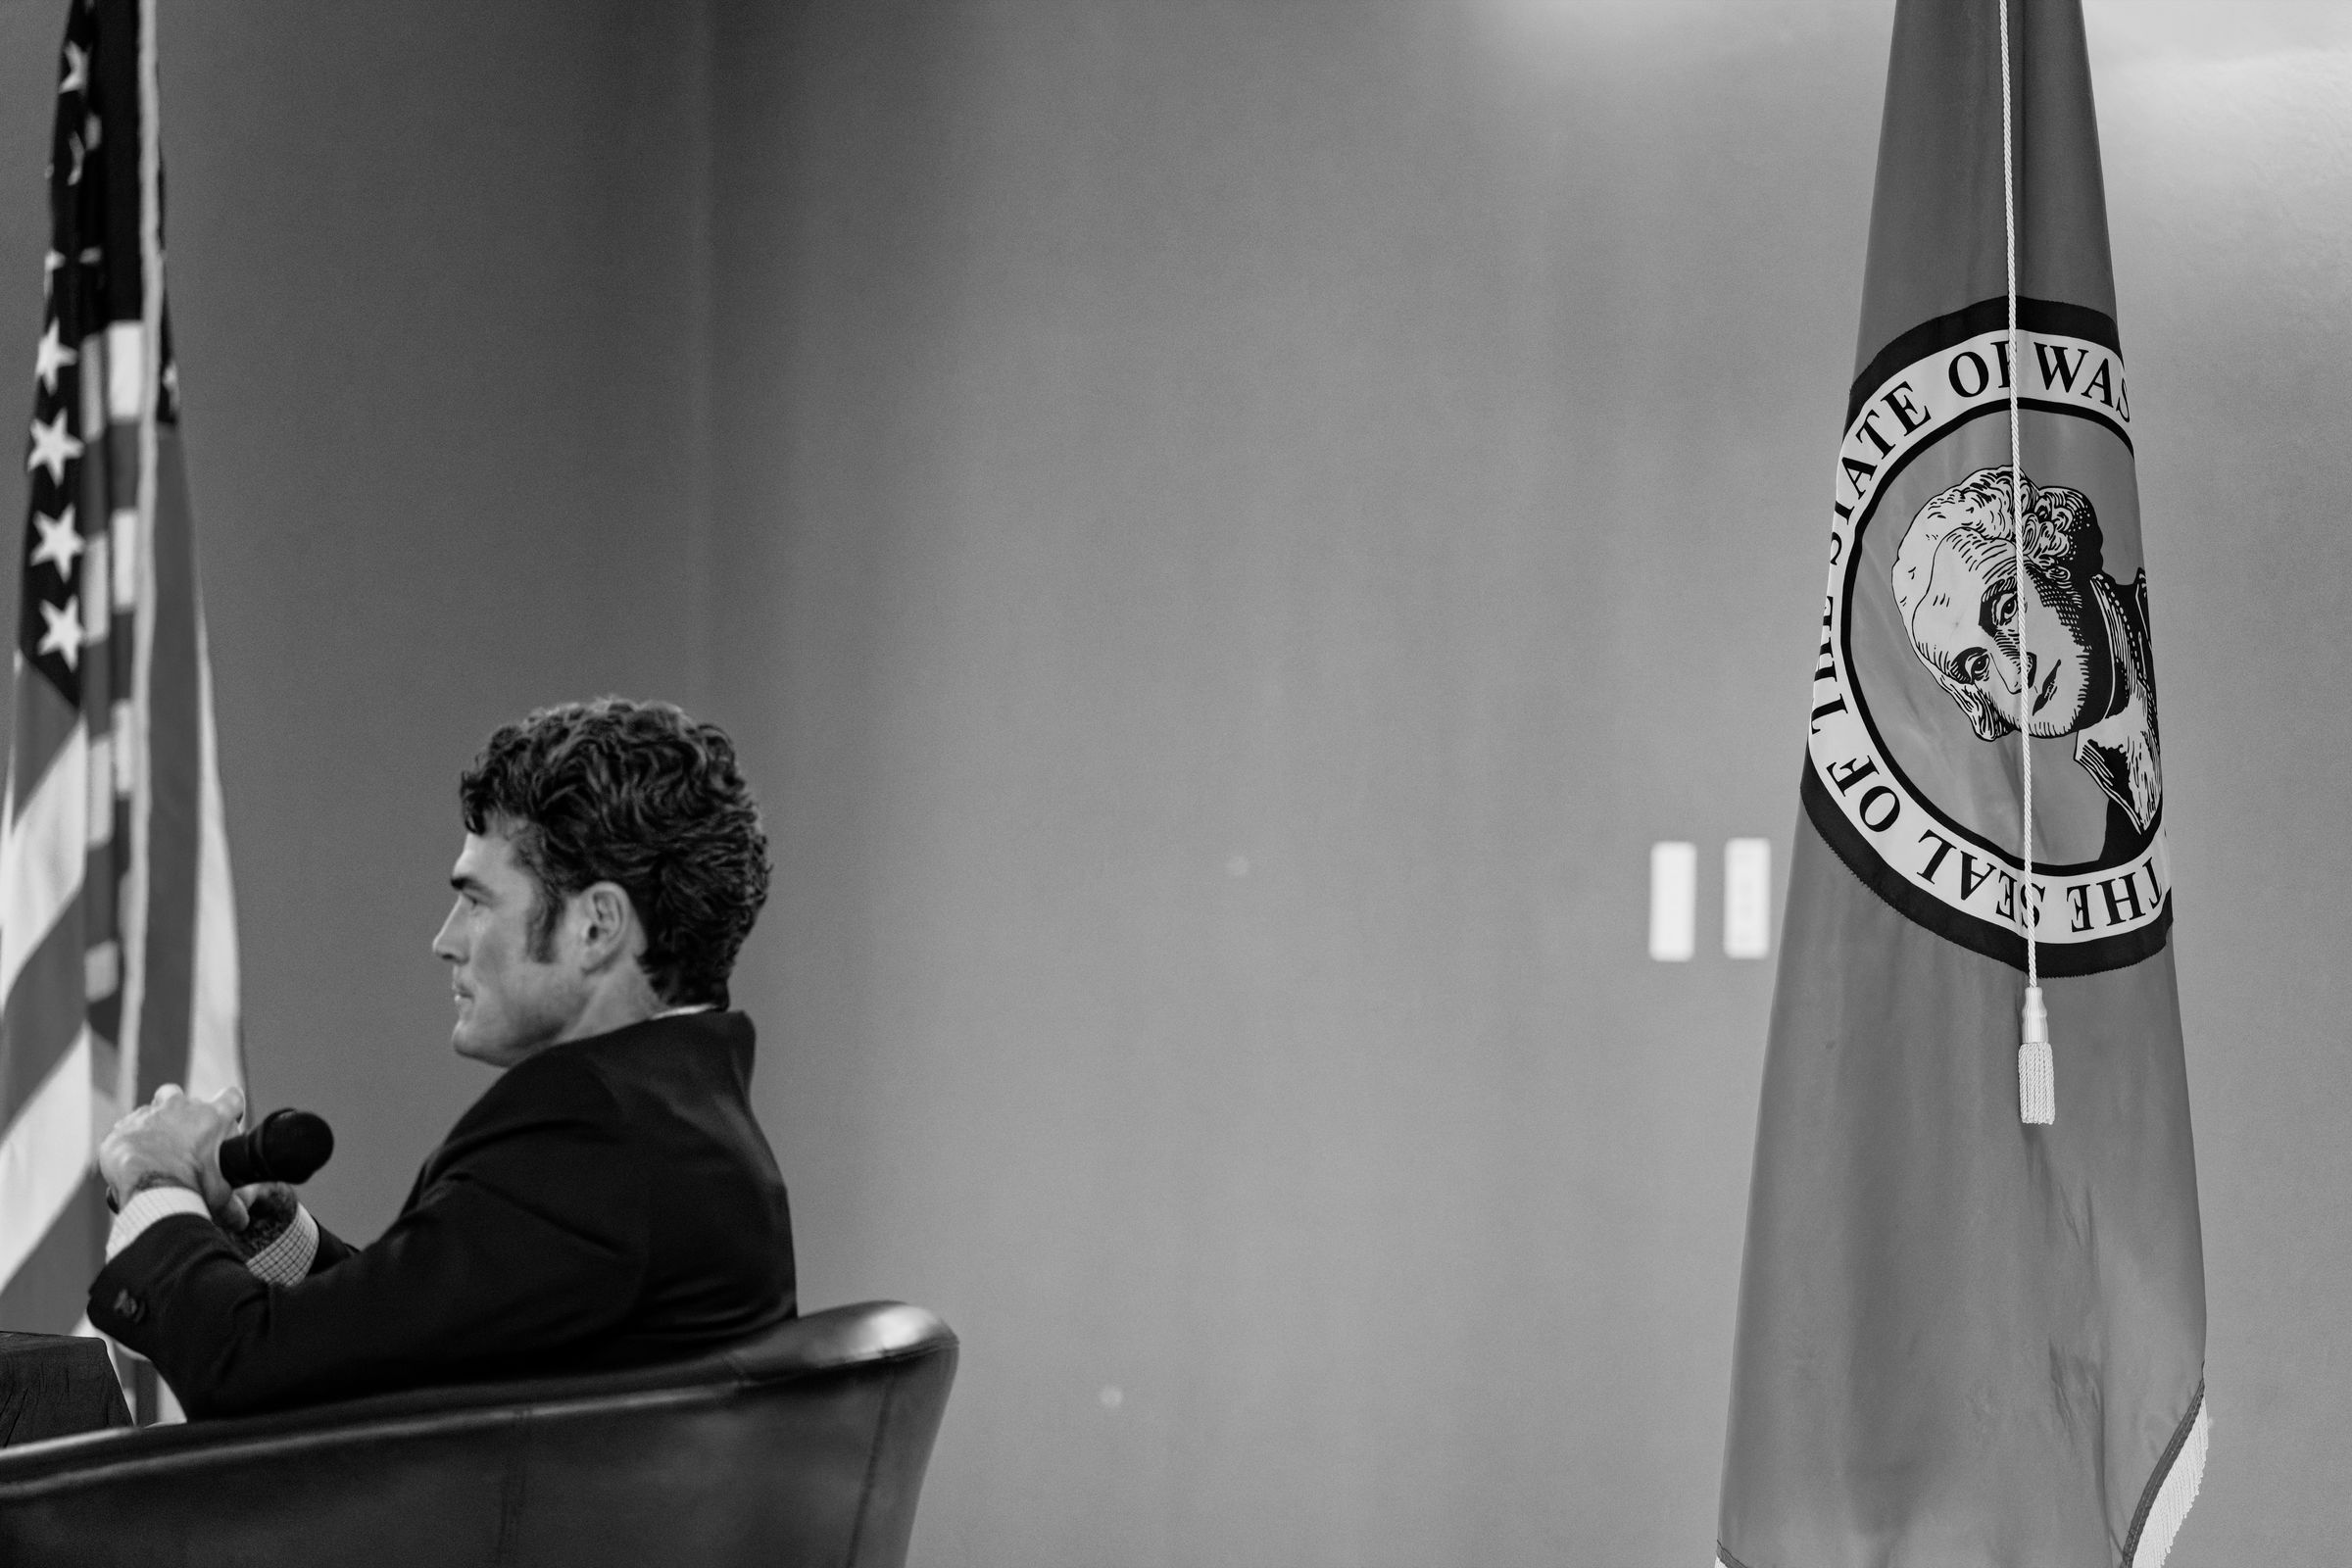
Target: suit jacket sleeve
x,y
332,1250
526,1234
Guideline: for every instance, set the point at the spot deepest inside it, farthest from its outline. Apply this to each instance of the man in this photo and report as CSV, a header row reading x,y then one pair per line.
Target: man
x,y
609,1200
2087,661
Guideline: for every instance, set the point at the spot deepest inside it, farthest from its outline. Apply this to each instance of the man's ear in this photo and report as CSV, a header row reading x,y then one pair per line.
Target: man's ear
x,y
604,923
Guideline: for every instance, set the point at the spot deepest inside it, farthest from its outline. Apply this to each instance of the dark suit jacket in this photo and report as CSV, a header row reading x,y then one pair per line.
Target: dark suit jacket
x,y
606,1202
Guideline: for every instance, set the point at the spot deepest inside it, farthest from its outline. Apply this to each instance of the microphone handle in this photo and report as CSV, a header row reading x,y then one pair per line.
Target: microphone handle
x,y
289,1146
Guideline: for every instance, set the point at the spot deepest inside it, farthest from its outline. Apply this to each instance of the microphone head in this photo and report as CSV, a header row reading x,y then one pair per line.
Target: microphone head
x,y
289,1146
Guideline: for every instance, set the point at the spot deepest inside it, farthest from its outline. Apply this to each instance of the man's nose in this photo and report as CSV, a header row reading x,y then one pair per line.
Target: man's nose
x,y
445,940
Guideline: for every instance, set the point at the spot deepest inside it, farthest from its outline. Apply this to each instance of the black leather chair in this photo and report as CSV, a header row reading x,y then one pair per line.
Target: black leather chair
x,y
804,1446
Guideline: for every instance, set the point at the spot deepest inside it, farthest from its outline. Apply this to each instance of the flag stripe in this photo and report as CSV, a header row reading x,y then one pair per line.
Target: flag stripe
x,y
41,856
122,452
215,1048
43,1156
42,1015
125,371
175,763
43,720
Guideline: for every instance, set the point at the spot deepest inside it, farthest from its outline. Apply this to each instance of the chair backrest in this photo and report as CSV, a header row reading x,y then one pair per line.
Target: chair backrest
x,y
804,1446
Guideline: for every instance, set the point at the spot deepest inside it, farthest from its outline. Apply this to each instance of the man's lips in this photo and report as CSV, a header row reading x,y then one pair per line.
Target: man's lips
x,y
2048,689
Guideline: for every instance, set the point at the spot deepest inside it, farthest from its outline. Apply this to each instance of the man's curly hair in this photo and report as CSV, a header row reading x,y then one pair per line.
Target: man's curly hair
x,y
640,795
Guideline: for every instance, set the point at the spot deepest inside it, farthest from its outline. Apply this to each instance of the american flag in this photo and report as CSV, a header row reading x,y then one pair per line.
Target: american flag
x,y
117,931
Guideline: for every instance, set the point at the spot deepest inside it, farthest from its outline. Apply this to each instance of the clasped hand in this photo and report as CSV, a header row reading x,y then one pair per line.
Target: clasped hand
x,y
176,1137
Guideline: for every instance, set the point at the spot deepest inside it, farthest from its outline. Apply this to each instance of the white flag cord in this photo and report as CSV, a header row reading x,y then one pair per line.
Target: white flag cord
x,y
2036,1073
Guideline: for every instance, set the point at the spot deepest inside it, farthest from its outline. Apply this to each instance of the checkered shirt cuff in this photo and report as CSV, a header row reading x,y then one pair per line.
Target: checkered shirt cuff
x,y
284,1261
145,1208
287,1260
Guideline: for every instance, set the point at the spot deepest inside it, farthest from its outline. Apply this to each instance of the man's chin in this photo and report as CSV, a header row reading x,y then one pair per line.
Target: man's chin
x,y
468,1042
493,1048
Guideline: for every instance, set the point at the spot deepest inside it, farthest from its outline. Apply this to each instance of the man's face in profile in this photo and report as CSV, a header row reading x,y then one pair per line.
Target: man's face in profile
x,y
1965,627
509,1002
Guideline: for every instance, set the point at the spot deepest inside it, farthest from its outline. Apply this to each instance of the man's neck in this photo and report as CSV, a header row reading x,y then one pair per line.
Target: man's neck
x,y
619,1001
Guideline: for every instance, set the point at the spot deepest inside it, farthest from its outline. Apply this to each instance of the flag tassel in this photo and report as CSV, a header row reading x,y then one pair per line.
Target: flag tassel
x,y
2036,1072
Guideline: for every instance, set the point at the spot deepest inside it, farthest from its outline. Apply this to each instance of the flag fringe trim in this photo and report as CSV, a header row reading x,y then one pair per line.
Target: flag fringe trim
x,y
2171,1490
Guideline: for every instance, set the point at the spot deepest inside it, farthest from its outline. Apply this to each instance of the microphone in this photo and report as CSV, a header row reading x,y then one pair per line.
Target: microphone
x,y
289,1146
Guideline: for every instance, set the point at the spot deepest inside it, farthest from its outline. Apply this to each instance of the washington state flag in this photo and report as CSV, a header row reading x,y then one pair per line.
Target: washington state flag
x,y
1966,1340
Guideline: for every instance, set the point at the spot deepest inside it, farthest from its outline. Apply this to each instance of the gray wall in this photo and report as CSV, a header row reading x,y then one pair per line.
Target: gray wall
x,y
1225,531
1353,442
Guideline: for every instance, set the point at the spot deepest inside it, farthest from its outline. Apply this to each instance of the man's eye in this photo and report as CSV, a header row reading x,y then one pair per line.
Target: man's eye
x,y
1972,666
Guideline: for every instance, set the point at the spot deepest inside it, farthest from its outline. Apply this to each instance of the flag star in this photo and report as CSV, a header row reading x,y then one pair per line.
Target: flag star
x,y
77,74
63,636
74,175
53,447
51,261
51,357
89,132
60,543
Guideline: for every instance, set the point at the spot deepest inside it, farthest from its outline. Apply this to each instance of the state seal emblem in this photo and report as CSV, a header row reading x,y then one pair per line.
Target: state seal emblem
x,y
1921,669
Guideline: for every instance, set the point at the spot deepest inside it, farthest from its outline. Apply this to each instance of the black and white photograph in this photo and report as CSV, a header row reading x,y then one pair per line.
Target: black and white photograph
x,y
1176,783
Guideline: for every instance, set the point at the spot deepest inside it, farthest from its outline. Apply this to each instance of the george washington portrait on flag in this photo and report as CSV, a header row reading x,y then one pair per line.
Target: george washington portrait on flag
x,y
2086,671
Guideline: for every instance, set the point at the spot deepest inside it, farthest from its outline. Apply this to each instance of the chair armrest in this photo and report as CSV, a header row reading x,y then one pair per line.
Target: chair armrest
x,y
806,1442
